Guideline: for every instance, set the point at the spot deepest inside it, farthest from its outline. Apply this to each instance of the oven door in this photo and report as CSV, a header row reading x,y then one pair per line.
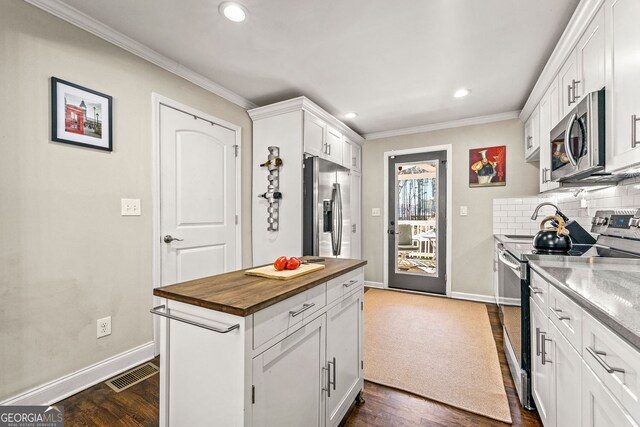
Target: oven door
x,y
577,141
509,300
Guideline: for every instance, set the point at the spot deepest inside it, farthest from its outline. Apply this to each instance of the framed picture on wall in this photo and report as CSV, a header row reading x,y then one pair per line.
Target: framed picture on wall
x,y
80,116
487,166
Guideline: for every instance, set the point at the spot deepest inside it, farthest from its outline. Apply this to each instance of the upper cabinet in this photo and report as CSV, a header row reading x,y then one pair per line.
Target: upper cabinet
x,y
315,135
329,143
623,83
548,103
334,145
532,136
568,78
590,58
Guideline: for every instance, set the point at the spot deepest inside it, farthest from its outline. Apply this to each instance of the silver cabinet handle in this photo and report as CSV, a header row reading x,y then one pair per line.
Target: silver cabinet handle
x,y
544,175
304,308
332,383
547,170
574,83
557,312
634,140
169,238
569,101
596,355
536,290
158,310
351,283
537,341
329,146
529,143
543,352
328,389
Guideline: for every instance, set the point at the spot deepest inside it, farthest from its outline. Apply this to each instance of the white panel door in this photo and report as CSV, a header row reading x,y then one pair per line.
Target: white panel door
x,y
289,379
541,372
197,197
343,355
567,380
590,56
599,407
545,109
622,44
568,76
315,136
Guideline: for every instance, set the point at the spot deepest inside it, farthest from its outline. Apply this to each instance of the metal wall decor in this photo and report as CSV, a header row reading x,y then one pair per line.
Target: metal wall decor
x,y
273,195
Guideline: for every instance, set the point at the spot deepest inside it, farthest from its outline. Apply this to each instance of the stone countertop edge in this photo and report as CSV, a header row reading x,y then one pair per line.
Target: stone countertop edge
x,y
629,336
504,239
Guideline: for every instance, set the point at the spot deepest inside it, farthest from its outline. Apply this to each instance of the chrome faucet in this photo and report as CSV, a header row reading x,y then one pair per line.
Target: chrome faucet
x,y
560,214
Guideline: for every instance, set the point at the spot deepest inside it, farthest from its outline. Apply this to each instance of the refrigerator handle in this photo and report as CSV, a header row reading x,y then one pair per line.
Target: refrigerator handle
x,y
333,220
338,220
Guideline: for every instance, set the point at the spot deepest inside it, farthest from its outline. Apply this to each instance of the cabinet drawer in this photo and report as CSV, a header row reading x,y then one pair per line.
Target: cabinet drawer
x,y
608,355
287,314
342,285
539,290
567,316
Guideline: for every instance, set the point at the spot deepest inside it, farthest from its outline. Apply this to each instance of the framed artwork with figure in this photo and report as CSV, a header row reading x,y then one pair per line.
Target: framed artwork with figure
x,y
487,166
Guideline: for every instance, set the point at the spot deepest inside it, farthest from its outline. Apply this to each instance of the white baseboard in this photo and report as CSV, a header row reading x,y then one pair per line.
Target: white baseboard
x,y
509,301
61,388
378,285
489,299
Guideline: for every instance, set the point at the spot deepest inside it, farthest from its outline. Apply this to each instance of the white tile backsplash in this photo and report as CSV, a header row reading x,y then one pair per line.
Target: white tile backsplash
x,y
513,216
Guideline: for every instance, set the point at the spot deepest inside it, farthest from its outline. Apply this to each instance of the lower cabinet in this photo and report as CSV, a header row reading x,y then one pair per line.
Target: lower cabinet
x,y
542,368
599,407
288,379
566,379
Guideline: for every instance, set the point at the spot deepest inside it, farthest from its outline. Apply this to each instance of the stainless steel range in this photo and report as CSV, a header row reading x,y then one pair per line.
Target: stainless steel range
x,y
618,232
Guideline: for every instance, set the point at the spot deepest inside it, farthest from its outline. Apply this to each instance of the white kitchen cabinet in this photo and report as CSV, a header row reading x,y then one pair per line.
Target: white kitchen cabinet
x,y
599,407
622,44
541,366
590,58
568,77
315,131
554,100
334,145
356,215
532,136
356,157
344,356
567,379
347,152
288,380
546,109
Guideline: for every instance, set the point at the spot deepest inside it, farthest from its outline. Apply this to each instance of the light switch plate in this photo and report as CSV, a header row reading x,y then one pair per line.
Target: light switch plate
x,y
375,211
463,211
130,207
584,203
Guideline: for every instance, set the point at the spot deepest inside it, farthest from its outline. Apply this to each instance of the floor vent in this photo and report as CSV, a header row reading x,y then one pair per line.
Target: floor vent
x,y
132,377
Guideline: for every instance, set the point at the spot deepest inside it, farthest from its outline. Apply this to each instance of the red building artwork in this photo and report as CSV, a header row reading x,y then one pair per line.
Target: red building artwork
x,y
74,119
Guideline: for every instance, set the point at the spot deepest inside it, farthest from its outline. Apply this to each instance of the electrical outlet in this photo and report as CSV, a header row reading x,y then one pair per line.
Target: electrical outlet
x,y
375,211
130,207
104,327
463,211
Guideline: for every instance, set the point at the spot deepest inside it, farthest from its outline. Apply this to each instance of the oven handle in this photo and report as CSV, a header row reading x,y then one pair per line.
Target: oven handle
x,y
502,256
567,135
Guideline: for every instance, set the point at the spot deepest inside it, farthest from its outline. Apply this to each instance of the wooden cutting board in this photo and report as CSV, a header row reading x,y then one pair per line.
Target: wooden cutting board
x,y
270,272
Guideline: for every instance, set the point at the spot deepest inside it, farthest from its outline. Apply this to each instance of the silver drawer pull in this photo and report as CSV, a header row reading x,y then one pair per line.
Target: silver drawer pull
x,y
157,310
351,283
557,312
596,355
536,290
634,140
537,341
543,354
304,308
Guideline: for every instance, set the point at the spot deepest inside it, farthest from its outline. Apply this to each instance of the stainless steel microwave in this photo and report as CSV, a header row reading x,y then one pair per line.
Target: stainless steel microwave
x,y
578,141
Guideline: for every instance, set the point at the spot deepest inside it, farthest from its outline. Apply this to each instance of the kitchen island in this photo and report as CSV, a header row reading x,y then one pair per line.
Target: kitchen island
x,y
239,350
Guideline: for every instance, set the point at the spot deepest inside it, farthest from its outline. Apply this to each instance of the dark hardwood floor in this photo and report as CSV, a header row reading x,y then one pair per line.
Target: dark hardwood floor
x,y
384,406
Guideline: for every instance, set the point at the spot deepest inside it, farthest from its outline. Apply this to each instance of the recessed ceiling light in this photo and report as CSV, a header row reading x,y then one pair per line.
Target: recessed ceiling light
x,y
233,11
460,93
351,115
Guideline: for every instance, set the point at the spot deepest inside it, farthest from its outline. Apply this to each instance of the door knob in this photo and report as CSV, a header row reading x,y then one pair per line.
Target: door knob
x,y
168,239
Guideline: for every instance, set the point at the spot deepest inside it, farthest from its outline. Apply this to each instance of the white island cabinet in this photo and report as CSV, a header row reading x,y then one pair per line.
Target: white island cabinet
x,y
240,350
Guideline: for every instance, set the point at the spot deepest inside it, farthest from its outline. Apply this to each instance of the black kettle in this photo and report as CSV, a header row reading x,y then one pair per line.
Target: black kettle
x,y
552,240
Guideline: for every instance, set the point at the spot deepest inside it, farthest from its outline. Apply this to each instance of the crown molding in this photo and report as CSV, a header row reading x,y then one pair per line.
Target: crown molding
x,y
81,20
444,125
580,20
305,104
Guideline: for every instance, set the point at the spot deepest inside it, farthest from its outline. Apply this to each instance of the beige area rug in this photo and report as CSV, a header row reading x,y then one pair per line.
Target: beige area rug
x,y
438,348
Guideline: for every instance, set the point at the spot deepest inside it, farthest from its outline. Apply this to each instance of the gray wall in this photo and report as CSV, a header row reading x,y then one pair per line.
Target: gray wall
x,y
68,257
472,235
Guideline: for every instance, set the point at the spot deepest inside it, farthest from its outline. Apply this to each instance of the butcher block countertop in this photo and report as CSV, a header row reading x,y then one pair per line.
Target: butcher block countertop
x,y
242,295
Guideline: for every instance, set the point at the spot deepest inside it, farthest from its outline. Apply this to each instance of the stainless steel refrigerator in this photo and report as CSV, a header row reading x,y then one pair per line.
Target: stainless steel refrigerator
x,y
327,209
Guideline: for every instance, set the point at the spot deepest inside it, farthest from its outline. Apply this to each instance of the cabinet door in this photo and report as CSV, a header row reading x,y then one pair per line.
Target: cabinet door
x,y
356,157
532,136
314,135
541,372
554,101
567,380
334,145
347,153
356,215
567,78
545,110
590,55
599,407
289,379
343,355
622,45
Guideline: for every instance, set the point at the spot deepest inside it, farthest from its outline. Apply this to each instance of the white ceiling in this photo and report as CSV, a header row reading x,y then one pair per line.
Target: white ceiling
x,y
396,63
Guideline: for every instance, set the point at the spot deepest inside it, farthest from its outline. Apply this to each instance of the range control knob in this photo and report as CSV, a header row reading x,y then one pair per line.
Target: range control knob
x,y
634,222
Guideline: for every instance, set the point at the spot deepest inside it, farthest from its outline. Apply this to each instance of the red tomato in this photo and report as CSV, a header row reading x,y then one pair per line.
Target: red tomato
x,y
280,263
293,263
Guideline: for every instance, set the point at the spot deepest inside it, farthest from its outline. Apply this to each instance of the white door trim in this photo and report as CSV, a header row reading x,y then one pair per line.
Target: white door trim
x,y
157,100
449,239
